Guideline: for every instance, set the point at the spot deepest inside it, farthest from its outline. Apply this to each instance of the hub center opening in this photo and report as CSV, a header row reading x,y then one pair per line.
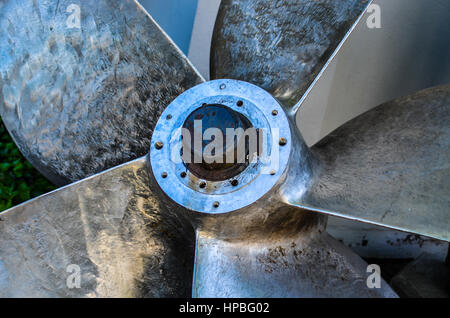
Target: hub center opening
x,y
218,142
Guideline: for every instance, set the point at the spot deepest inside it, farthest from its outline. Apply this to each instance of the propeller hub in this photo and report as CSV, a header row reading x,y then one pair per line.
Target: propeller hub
x,y
220,146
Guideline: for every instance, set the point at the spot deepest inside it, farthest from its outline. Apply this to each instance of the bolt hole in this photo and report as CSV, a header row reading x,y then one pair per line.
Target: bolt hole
x,y
183,174
164,175
272,172
216,204
159,145
283,141
169,117
274,112
202,185
222,86
240,103
234,183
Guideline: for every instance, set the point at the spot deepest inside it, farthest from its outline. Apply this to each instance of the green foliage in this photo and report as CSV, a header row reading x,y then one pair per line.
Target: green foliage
x,y
19,181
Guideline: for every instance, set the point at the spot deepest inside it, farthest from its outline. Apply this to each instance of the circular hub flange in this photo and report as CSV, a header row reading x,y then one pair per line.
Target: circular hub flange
x,y
226,186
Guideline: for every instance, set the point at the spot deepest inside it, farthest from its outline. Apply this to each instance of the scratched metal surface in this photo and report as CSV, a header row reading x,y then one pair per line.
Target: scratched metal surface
x,y
112,226
389,166
279,45
310,265
79,101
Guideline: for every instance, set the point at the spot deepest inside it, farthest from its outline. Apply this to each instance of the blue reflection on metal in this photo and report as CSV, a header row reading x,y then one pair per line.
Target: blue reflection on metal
x,y
176,17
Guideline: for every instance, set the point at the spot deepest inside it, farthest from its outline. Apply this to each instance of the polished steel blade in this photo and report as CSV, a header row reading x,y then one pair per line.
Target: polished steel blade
x,y
279,45
389,167
82,83
396,48
105,236
308,266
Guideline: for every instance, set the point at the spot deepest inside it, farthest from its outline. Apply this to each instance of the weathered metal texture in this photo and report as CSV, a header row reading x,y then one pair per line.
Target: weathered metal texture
x,y
131,237
389,166
269,249
425,277
80,100
371,241
310,265
237,240
407,50
125,242
279,45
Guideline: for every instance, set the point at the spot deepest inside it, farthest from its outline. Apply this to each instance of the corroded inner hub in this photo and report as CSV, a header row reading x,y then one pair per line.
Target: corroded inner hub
x,y
204,158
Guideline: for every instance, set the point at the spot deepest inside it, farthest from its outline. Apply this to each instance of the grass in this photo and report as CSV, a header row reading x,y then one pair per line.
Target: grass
x,y
19,181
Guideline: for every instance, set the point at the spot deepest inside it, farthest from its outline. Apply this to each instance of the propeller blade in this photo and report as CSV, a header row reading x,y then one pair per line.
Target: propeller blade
x,y
308,266
82,83
395,49
279,45
105,236
389,166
